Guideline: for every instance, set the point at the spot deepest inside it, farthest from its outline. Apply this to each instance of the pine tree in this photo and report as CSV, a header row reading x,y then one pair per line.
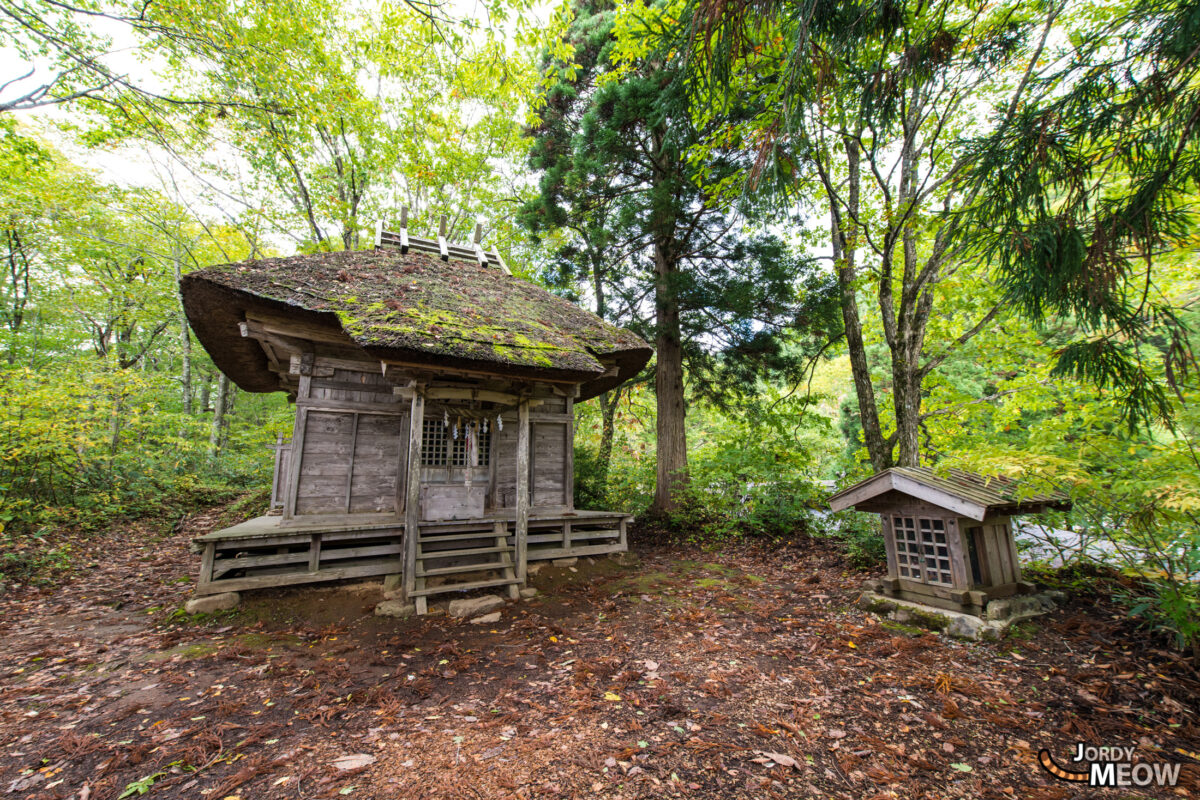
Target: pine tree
x,y
613,149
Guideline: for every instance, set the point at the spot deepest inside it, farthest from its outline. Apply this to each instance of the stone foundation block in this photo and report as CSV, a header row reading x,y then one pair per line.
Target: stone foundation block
x,y
212,602
395,608
999,616
474,606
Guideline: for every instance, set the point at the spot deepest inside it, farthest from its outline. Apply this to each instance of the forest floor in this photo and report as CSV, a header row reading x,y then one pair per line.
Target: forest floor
x,y
743,671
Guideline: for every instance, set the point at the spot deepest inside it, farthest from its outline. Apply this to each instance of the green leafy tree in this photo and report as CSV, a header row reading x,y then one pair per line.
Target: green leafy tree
x,y
857,115
612,144
71,49
365,113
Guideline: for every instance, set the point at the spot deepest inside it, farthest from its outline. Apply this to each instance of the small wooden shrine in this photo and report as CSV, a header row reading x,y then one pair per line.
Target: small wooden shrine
x,y
949,538
434,428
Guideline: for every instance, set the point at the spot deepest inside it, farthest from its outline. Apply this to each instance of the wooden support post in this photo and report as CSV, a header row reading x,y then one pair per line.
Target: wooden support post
x,y
276,478
522,531
569,458
412,497
314,553
1010,544
296,459
959,570
206,567
566,542
889,546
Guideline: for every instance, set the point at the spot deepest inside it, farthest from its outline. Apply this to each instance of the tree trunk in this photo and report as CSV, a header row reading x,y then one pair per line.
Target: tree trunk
x,y
205,392
215,435
185,343
608,414
610,399
668,386
906,382
844,239
115,424
909,331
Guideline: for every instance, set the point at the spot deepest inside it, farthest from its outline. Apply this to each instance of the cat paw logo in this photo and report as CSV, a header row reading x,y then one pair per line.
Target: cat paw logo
x,y
1101,767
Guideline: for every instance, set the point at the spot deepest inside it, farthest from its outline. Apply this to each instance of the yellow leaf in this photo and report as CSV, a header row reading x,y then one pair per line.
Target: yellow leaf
x,y
852,644
612,697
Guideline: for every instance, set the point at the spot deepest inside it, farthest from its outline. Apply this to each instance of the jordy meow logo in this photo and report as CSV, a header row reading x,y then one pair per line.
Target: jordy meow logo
x,y
1110,767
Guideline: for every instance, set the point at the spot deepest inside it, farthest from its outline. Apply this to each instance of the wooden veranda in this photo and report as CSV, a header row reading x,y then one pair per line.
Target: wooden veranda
x,y
262,553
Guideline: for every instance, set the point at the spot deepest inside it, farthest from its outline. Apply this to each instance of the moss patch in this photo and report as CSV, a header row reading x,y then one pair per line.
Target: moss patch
x,y
188,652
712,583
650,583
416,302
900,627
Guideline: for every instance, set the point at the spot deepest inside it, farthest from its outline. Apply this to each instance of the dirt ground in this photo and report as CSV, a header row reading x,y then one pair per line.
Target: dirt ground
x,y
736,672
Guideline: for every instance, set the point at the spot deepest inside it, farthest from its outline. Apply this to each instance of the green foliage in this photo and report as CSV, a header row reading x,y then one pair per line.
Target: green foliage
x,y
96,421
753,466
141,785
1136,492
1079,194
860,536
63,459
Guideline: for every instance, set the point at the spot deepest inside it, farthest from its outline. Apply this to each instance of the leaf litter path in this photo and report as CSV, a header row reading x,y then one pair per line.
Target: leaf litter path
x,y
744,672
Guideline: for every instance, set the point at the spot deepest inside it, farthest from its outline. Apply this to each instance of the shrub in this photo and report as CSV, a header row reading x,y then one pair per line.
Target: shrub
x,y
860,537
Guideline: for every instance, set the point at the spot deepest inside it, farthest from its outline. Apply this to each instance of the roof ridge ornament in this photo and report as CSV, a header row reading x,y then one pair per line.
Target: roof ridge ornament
x,y
440,246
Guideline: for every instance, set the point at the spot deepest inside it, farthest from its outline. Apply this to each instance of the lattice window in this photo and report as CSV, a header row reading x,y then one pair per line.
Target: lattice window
x,y
460,453
440,448
484,446
908,549
470,437
433,444
922,553
937,552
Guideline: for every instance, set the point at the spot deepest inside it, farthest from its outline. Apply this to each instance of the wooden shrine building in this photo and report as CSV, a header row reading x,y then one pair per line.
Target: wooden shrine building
x,y
433,434
949,538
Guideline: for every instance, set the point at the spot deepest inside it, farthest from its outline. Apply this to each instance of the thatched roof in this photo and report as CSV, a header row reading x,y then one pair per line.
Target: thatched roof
x,y
410,307
966,493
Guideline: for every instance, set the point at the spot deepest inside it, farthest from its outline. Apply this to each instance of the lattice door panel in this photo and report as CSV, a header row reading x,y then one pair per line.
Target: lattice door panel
x,y
922,552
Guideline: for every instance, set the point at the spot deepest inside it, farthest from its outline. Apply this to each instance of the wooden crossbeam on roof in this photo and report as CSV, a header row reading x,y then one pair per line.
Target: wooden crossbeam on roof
x,y
440,245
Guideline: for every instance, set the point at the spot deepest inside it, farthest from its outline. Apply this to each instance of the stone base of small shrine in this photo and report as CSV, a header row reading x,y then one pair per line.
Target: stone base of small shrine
x,y
997,618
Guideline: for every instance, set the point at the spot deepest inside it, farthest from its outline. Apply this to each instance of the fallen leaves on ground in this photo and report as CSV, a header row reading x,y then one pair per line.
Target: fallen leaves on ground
x,y
691,674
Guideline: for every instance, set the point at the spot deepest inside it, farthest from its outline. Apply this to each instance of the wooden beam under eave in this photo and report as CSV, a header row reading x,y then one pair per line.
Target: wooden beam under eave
x,y
392,367
258,322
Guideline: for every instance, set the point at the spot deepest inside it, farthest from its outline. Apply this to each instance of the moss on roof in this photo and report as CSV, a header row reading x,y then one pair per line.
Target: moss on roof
x,y
415,302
